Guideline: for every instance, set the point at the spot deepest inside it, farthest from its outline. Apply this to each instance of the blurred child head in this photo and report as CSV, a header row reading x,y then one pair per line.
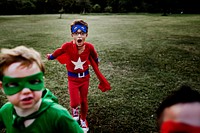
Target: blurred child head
x,y
180,111
21,76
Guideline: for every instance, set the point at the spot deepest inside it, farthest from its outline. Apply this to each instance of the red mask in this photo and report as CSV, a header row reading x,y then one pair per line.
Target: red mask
x,y
176,127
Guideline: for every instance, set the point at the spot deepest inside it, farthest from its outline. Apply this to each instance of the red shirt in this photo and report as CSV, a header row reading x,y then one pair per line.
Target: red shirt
x,y
68,54
76,62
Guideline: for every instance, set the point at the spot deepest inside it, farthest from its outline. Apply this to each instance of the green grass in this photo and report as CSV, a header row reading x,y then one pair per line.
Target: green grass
x,y
144,57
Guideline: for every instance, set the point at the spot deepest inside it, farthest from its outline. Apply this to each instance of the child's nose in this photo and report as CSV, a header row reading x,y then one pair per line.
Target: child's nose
x,y
26,91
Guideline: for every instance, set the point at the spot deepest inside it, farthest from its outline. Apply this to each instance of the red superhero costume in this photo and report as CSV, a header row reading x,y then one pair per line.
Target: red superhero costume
x,y
78,74
74,61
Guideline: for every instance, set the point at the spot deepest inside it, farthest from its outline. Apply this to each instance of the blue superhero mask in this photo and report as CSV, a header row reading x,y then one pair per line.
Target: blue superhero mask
x,y
12,85
78,26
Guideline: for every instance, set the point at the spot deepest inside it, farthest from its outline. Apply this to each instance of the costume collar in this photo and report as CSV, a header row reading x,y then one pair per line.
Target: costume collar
x,y
18,122
171,126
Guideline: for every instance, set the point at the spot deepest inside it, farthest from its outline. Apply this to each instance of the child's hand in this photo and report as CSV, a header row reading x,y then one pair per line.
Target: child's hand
x,y
50,57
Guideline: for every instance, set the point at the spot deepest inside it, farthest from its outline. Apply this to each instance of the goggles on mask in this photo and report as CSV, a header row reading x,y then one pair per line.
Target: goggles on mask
x,y
177,127
12,85
77,27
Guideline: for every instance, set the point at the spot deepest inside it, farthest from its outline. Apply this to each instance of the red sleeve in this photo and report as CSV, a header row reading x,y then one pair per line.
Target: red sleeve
x,y
93,54
60,51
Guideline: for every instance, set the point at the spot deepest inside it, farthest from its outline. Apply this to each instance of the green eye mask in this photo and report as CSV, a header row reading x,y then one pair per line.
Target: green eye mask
x,y
12,85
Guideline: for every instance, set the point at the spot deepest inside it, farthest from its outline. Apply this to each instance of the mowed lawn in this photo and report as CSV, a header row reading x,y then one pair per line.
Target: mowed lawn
x,y
143,56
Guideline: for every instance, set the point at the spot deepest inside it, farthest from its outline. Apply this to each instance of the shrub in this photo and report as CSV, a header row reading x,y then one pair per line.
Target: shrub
x,y
96,8
108,9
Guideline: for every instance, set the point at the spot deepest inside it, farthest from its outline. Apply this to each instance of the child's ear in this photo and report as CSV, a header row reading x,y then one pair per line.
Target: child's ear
x,y
1,87
0,84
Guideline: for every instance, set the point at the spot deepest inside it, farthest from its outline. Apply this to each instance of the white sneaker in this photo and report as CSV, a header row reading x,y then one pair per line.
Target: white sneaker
x,y
75,113
84,125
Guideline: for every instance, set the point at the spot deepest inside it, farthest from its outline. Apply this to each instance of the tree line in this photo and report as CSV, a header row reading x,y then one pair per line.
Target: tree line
x,y
8,7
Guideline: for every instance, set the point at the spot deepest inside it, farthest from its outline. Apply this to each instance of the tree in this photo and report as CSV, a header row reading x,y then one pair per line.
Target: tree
x,y
101,3
84,5
96,8
61,11
27,7
52,6
108,9
40,6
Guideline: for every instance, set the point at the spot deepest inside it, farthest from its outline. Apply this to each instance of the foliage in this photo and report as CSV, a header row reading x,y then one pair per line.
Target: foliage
x,y
96,8
108,9
143,56
28,7
87,6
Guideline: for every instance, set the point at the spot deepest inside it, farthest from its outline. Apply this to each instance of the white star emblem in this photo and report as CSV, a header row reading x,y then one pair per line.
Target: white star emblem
x,y
78,64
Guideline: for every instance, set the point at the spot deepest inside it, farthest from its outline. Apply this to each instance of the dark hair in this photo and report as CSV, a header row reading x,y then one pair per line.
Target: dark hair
x,y
185,94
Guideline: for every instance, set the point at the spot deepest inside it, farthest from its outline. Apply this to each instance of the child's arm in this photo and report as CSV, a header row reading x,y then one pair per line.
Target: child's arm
x,y
1,120
57,52
94,54
50,57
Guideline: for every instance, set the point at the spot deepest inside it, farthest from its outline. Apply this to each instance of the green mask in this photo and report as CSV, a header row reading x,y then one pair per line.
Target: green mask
x,y
12,85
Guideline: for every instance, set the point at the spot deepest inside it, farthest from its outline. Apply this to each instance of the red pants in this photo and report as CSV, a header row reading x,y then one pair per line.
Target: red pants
x,y
78,91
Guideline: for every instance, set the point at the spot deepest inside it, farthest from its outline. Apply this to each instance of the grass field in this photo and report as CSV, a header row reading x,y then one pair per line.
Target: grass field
x,y
144,57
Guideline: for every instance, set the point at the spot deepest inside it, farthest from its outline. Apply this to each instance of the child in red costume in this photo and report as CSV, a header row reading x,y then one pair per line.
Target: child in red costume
x,y
77,55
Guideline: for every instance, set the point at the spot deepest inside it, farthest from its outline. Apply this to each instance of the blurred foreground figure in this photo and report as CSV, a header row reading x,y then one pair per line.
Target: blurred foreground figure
x,y
180,112
31,108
